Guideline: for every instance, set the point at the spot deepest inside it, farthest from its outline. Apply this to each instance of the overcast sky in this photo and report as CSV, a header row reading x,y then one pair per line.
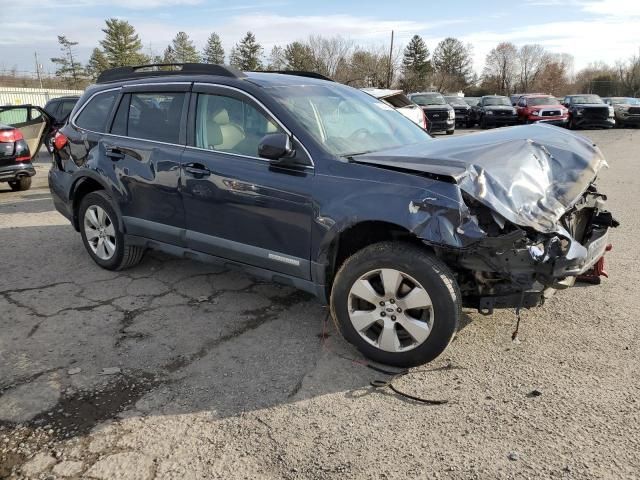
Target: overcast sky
x,y
590,30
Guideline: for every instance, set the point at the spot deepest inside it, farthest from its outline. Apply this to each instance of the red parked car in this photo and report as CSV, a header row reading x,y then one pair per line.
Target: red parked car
x,y
534,108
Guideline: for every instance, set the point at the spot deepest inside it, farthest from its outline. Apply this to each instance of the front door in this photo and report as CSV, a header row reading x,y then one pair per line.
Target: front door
x,y
237,205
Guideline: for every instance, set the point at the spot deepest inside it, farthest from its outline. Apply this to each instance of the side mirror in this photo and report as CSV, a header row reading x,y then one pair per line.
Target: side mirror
x,y
276,147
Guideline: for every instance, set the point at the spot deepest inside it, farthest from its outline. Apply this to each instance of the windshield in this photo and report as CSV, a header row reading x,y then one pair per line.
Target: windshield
x,y
542,101
472,101
456,101
428,99
586,99
625,101
347,121
496,101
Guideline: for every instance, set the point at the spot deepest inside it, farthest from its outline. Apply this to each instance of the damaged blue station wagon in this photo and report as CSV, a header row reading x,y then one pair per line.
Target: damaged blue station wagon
x,y
317,185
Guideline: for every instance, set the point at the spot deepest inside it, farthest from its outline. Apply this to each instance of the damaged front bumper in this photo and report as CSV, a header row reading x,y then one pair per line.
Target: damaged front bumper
x,y
519,269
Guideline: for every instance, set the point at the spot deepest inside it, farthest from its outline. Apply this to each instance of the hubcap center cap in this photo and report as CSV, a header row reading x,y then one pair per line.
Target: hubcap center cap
x,y
389,307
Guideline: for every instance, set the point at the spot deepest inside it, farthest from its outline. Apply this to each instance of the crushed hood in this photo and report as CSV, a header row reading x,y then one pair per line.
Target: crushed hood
x,y
530,175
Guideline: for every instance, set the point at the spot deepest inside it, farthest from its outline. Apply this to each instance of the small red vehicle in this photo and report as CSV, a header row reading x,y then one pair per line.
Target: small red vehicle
x,y
534,108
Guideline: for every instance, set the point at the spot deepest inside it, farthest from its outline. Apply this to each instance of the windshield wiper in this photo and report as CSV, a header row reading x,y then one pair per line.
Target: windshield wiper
x,y
349,156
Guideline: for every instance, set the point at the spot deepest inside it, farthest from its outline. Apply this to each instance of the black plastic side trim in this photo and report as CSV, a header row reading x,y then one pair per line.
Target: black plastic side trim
x,y
276,277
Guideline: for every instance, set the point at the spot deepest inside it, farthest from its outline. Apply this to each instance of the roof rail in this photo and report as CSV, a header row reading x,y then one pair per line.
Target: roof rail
x,y
162,69
302,73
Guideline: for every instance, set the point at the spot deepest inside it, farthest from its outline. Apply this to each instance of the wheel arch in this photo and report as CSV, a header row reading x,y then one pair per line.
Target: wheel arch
x,y
83,186
354,237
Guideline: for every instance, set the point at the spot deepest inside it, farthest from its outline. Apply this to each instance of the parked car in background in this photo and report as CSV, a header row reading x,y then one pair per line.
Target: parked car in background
x,y
626,110
471,101
22,131
313,184
462,110
59,110
514,97
495,111
542,108
588,110
15,159
398,100
440,115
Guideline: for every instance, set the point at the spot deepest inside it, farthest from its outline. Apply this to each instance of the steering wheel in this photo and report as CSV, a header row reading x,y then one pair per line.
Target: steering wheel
x,y
360,134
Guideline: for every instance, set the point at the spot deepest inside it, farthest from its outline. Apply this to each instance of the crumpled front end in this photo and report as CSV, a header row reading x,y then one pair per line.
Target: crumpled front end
x,y
529,217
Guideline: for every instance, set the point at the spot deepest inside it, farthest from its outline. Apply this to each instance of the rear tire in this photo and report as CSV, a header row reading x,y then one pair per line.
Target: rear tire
x,y
418,291
101,235
450,132
23,183
483,123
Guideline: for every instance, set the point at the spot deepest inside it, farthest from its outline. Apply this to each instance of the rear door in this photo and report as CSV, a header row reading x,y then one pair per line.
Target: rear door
x,y
144,146
32,121
237,205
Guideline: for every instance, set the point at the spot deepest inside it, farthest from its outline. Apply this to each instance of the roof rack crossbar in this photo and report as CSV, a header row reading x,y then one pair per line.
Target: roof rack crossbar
x,y
162,69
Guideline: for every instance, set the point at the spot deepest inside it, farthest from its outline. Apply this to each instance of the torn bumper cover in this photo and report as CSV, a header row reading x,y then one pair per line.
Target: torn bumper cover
x,y
528,218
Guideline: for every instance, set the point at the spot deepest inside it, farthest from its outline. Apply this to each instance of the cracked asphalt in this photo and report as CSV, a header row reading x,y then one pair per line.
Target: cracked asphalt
x,y
180,370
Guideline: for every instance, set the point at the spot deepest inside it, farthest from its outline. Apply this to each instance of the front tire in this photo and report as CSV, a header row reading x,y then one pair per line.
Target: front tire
x,y
396,303
102,236
23,183
450,132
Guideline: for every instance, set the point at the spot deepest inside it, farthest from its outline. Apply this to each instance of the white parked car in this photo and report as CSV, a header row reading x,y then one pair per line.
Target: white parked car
x,y
398,100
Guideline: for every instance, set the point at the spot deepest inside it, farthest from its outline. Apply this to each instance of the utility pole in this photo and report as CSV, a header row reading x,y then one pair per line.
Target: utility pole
x,y
35,54
390,72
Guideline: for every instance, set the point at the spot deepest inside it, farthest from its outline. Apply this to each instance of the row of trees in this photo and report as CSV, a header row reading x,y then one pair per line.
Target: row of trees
x,y
531,68
508,68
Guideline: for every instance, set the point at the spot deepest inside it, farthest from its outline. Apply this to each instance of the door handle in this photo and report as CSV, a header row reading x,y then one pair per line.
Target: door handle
x,y
197,169
114,153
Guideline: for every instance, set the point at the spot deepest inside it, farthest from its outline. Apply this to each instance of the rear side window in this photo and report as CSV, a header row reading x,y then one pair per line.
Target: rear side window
x,y
398,101
12,116
51,108
150,116
65,109
95,114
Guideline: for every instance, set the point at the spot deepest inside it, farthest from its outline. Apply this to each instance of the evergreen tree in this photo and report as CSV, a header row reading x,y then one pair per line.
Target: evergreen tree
x,y
97,64
277,59
169,55
213,51
299,56
453,64
184,49
69,69
416,66
246,54
121,44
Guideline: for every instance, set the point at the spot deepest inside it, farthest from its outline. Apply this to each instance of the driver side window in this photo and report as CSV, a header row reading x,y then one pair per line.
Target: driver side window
x,y
229,125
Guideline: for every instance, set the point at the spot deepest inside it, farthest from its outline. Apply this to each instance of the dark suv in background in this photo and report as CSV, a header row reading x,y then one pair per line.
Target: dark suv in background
x,y
462,111
59,110
322,187
588,110
441,115
495,111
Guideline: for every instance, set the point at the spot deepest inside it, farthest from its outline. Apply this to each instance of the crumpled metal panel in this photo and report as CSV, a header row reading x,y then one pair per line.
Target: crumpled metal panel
x,y
530,175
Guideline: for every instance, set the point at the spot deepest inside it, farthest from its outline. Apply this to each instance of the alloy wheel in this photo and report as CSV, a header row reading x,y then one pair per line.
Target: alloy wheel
x,y
100,232
391,310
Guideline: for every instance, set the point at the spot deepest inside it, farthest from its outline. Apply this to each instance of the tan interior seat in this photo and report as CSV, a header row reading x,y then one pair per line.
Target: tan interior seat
x,y
231,133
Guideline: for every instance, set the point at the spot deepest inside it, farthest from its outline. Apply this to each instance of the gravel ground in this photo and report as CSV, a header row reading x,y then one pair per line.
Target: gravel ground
x,y
180,370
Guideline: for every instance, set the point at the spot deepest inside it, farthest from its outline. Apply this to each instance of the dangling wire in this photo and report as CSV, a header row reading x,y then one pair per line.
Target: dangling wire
x,y
378,384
